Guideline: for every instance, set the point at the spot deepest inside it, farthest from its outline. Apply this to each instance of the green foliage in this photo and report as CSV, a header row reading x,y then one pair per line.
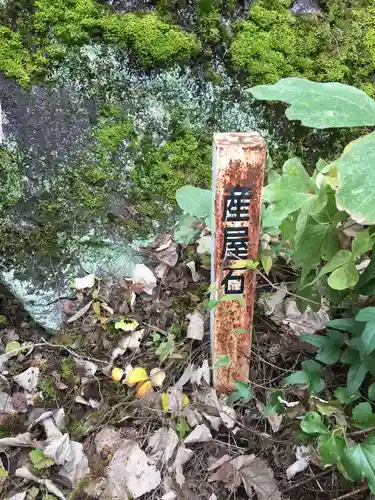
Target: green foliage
x,y
11,184
153,40
242,393
194,201
310,376
38,459
47,387
320,105
165,348
223,361
361,461
336,47
15,58
312,423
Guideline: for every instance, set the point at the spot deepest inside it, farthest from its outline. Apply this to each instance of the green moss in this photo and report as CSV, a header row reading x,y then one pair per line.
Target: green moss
x,y
47,387
16,60
186,159
71,21
10,174
273,44
68,370
152,40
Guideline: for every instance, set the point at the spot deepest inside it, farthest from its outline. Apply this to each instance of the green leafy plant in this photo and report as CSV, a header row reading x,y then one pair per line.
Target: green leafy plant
x,y
241,393
196,203
38,459
308,212
165,348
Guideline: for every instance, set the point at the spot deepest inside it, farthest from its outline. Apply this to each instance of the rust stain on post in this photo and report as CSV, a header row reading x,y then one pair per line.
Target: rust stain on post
x,y
238,170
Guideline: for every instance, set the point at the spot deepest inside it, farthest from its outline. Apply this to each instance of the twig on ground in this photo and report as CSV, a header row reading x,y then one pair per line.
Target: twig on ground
x,y
361,432
306,480
351,493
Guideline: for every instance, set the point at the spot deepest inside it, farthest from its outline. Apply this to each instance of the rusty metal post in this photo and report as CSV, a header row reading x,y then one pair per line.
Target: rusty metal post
x,y
238,169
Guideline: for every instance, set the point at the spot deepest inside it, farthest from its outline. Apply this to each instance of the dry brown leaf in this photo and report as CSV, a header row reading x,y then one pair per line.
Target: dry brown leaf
x,y
218,463
143,276
28,379
200,434
196,325
194,274
81,312
255,474
129,473
163,443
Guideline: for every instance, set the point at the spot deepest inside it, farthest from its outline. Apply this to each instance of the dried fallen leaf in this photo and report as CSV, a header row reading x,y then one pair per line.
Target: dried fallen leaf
x,y
174,400
76,466
200,434
201,374
157,377
144,277
303,456
194,274
28,379
87,281
196,326
183,455
129,473
274,420
6,404
138,374
163,444
49,485
143,388
19,401
86,368
215,421
255,474
117,374
81,312
167,253
218,463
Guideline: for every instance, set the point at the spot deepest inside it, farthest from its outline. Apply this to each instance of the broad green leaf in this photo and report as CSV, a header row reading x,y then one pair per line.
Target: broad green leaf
x,y
13,345
344,277
355,194
330,244
38,459
331,448
308,245
362,242
3,472
222,360
273,406
362,416
242,392
366,314
320,105
194,201
342,324
329,349
339,259
344,397
288,193
186,229
367,339
312,423
350,356
310,376
362,459
371,392
368,276
356,375
328,408
309,292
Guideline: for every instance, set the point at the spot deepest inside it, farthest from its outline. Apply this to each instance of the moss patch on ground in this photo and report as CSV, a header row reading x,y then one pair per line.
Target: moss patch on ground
x,y
273,44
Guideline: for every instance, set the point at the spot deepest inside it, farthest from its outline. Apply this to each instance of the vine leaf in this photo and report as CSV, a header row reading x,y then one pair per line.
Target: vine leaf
x,y
331,448
243,392
361,458
312,423
366,314
362,242
310,375
329,348
186,229
356,375
367,340
320,105
344,277
355,193
371,392
288,193
194,201
363,416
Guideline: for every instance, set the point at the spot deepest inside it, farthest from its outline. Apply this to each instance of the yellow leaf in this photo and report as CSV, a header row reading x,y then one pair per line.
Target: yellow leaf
x,y
127,325
143,388
185,401
164,401
117,374
244,264
157,376
96,307
266,260
138,374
